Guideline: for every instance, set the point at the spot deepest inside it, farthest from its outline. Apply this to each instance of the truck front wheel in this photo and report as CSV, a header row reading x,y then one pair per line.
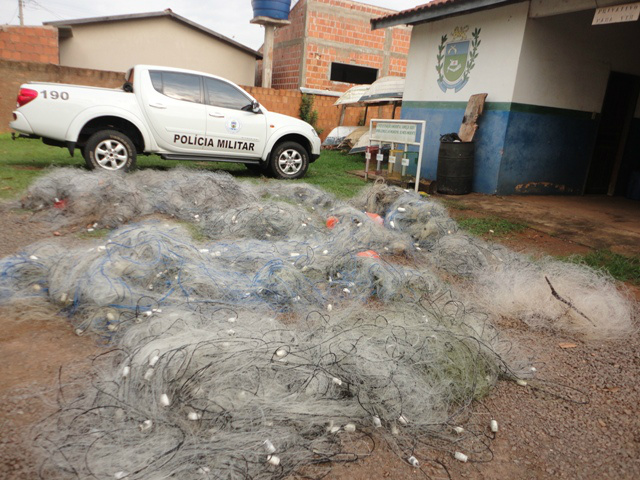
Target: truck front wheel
x,y
289,160
110,150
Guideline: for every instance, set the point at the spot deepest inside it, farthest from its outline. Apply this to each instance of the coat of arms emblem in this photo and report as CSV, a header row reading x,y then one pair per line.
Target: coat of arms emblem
x,y
456,58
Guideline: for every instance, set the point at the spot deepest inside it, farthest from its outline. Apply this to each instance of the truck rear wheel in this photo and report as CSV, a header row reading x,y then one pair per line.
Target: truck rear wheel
x,y
110,150
289,160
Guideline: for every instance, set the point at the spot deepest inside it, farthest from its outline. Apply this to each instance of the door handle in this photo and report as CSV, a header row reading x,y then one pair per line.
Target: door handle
x,y
157,105
216,115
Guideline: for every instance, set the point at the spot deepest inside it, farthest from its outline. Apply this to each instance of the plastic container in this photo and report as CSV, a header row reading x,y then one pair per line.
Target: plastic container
x,y
278,9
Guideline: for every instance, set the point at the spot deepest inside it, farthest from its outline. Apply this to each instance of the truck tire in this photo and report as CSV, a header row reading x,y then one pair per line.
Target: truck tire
x,y
289,160
110,150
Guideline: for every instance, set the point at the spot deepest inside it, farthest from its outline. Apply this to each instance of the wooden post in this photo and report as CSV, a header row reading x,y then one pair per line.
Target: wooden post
x,y
342,112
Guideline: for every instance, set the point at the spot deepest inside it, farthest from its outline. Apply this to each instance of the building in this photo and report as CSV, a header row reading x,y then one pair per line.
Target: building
x,y
160,38
562,112
330,46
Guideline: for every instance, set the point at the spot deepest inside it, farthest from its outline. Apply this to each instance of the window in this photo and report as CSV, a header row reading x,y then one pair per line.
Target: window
x,y
181,86
225,95
156,80
341,72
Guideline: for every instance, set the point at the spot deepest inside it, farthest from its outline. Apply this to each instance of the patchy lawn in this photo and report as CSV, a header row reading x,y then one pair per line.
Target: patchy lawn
x,y
23,160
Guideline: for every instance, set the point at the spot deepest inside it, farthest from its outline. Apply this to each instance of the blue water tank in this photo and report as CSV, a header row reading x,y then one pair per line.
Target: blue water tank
x,y
278,9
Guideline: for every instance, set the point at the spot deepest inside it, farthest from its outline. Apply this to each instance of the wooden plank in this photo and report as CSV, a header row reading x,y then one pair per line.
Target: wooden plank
x,y
475,107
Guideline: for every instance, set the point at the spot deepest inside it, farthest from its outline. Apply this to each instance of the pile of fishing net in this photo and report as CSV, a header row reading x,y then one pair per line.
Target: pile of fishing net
x,y
292,328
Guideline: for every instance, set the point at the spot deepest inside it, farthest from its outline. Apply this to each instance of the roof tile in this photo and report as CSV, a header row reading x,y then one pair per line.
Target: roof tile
x,y
419,8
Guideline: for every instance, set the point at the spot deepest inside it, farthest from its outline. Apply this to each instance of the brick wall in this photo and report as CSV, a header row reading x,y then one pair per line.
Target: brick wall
x,y
286,67
287,102
13,74
342,34
289,49
355,30
29,44
295,31
326,31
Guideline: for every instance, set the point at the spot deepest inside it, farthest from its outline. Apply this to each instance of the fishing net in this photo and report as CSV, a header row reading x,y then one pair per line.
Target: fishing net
x,y
288,332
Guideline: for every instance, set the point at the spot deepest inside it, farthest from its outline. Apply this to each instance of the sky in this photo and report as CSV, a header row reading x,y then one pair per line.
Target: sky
x,y
227,17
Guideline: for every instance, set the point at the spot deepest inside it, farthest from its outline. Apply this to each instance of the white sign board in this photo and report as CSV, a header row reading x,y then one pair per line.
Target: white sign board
x,y
395,132
617,14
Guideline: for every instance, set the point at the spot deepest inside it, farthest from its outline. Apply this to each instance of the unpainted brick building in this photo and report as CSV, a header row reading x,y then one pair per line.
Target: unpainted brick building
x,y
330,46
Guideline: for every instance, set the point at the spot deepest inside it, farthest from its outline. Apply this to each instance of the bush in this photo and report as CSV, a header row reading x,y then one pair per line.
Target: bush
x,y
307,113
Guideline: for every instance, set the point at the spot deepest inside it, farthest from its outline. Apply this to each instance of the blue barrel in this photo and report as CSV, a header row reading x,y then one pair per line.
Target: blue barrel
x,y
278,9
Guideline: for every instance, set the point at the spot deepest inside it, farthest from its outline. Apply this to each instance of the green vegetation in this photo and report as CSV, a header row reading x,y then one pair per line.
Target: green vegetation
x,y
96,233
490,226
621,267
195,231
22,161
308,114
329,172
455,204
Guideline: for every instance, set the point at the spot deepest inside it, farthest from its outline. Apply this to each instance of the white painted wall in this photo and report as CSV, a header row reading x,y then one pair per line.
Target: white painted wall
x,y
117,46
565,61
498,55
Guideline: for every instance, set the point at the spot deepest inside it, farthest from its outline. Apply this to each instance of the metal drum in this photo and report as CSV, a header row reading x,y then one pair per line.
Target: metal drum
x,y
455,167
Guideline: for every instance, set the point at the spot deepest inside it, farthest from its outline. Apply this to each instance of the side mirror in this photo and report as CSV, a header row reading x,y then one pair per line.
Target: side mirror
x,y
255,107
127,87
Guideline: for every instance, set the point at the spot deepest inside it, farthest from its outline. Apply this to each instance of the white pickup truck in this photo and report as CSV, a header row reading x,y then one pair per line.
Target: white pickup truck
x,y
175,113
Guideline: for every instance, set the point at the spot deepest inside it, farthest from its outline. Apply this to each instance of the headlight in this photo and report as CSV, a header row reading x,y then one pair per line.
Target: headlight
x,y
314,132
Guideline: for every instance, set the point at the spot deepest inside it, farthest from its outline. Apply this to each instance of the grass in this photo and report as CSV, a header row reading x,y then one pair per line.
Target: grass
x,y
455,204
621,267
22,161
195,231
96,233
329,173
493,226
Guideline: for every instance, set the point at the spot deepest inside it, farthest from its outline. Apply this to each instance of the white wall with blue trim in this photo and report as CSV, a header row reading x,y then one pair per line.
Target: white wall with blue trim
x,y
545,78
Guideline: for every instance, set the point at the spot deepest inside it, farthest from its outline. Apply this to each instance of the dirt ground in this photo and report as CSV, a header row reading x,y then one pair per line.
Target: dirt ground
x,y
579,419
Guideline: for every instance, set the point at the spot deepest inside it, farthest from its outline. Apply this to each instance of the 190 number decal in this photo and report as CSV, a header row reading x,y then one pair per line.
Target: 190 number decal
x,y
55,95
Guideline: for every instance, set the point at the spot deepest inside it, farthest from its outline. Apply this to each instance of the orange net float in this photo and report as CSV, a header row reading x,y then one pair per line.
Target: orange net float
x,y
60,204
376,218
368,254
332,222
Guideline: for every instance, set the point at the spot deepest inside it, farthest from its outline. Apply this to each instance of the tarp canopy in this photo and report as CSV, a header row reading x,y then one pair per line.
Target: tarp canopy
x,y
352,96
385,89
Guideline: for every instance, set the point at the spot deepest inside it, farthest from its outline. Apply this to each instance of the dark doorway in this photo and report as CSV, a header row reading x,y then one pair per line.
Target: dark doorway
x,y
609,164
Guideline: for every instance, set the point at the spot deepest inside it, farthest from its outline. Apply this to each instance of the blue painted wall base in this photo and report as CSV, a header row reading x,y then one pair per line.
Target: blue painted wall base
x,y
519,148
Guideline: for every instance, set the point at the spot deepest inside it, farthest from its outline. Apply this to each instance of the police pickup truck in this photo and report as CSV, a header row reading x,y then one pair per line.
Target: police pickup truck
x,y
175,113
